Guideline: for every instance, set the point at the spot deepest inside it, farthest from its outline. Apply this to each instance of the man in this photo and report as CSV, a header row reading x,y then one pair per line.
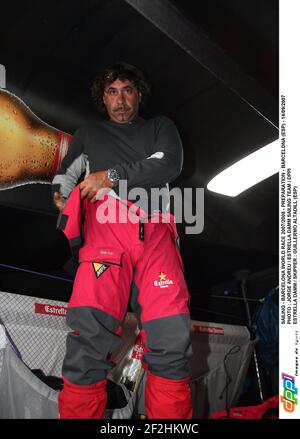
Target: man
x,y
138,255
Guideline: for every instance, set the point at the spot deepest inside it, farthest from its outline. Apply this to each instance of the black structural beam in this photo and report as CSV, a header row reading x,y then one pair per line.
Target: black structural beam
x,y
169,19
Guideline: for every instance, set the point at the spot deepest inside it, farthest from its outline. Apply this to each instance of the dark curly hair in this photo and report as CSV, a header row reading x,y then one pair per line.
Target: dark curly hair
x,y
119,71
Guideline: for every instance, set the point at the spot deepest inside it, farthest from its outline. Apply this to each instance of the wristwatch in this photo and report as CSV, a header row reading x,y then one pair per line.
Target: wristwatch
x,y
113,176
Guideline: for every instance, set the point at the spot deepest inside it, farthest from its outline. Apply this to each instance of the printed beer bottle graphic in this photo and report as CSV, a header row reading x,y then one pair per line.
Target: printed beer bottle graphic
x,y
132,370
30,150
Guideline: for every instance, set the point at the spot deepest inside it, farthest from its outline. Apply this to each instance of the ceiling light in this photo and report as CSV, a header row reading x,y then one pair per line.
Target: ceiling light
x,y
248,171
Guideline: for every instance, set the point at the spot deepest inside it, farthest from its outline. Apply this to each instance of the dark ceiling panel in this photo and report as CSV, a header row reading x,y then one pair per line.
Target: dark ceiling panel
x,y
196,43
248,31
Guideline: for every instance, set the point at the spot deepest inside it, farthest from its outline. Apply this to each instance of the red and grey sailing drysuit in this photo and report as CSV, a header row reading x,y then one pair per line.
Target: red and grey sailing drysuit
x,y
140,256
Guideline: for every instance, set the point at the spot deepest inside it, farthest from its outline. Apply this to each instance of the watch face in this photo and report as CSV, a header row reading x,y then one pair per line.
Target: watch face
x,y
113,175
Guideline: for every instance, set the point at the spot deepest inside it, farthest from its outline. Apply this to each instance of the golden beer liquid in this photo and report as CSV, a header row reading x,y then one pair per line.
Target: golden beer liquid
x,y
29,148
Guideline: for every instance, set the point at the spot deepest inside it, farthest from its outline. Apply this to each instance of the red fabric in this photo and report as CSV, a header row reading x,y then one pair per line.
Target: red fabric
x,y
157,261
251,412
82,402
61,150
167,399
73,210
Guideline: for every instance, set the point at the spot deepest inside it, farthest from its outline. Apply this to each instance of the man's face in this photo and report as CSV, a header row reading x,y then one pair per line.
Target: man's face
x,y
121,99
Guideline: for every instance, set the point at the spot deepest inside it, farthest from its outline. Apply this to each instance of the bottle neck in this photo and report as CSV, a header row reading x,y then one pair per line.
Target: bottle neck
x,y
64,141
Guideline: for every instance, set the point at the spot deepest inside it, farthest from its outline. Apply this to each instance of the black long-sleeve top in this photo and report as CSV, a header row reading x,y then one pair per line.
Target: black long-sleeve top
x,y
146,153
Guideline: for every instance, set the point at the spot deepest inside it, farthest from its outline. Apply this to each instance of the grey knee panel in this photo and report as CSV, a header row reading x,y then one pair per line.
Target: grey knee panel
x,y
89,345
169,340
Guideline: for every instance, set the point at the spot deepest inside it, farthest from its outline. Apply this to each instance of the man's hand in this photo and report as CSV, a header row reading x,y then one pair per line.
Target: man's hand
x,y
59,201
95,186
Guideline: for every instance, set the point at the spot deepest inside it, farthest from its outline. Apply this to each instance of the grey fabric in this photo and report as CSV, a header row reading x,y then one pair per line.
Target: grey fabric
x,y
221,356
62,221
23,395
75,242
136,308
141,390
70,171
168,339
86,356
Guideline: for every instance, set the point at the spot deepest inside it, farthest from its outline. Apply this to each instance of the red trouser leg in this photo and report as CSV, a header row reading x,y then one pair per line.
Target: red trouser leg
x,y
95,313
82,402
162,297
167,399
